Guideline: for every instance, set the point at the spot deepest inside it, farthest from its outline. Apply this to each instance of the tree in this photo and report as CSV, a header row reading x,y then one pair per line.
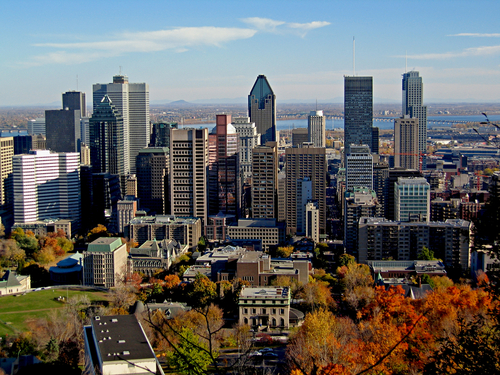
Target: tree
x,y
45,256
316,294
201,292
426,254
95,233
202,244
346,259
191,356
284,251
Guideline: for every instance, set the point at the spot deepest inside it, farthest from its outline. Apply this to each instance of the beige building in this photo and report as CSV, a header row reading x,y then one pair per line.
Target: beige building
x,y
265,308
6,154
265,181
406,143
42,227
303,162
185,230
189,173
105,262
271,232
127,207
312,221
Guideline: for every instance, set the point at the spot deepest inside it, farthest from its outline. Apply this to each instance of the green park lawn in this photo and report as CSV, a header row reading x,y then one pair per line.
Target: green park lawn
x,y
15,312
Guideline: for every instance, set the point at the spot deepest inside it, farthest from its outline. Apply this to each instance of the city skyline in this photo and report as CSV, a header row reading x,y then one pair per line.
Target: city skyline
x,y
215,51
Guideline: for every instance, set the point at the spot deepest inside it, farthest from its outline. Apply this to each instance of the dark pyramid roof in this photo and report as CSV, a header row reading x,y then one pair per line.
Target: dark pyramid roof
x,y
261,90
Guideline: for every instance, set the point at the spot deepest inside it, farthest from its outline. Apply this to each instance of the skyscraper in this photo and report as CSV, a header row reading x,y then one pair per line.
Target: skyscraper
x,y
359,167
132,101
152,174
249,138
306,161
46,186
358,111
6,154
63,130
189,173
262,109
75,101
265,181
108,152
412,105
406,132
316,126
224,171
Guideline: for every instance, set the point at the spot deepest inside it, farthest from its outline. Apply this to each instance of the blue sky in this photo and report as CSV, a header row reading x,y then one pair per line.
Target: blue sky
x,y
195,50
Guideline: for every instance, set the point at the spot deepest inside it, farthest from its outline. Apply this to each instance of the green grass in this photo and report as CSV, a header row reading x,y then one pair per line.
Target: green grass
x,y
16,311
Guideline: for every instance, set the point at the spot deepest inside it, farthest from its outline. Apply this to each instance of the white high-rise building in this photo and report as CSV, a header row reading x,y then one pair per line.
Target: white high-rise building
x,y
359,167
36,126
304,195
132,101
46,186
316,128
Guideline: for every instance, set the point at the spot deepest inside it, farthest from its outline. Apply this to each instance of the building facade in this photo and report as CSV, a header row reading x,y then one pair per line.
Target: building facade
x,y
316,128
109,151
63,130
46,186
262,110
358,111
265,308
406,135
303,162
6,154
359,167
105,262
152,165
131,100
413,105
189,173
412,199
249,139
265,181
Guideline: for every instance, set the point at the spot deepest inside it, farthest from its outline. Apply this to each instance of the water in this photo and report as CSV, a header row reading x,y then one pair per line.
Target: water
x,y
380,123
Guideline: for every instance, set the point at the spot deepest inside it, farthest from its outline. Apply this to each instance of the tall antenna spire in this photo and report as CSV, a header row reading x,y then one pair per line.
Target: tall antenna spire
x,y
353,56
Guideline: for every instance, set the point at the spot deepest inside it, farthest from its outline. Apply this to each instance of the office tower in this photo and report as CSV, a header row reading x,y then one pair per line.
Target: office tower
x,y
412,199
249,138
265,181
108,151
281,196
375,140
413,106
358,202
75,101
406,153
359,167
358,112
63,130
312,221
390,177
105,263
6,154
262,109
84,130
46,186
189,173
152,177
131,185
306,161
304,195
84,154
224,195
316,127
36,126
300,136
132,102
160,136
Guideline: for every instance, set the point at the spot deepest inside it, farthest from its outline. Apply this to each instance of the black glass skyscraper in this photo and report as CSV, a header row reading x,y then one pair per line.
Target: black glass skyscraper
x,y
358,111
262,109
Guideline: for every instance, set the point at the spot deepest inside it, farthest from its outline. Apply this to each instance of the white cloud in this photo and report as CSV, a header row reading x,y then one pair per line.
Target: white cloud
x,y
179,39
281,27
474,51
263,24
495,35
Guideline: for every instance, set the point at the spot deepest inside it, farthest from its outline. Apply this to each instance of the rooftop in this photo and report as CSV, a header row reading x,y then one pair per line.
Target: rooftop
x,y
105,244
